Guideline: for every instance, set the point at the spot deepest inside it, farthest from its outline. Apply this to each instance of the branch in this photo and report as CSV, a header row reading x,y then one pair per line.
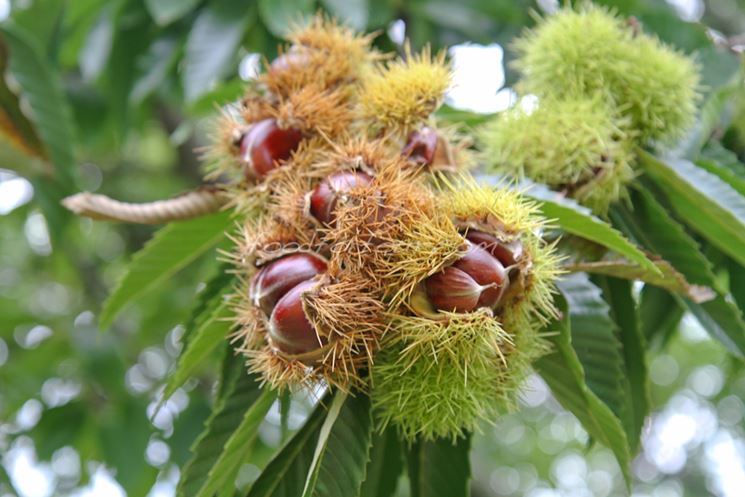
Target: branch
x,y
204,200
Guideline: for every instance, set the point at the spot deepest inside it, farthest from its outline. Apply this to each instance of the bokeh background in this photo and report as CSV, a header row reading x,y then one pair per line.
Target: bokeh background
x,y
139,84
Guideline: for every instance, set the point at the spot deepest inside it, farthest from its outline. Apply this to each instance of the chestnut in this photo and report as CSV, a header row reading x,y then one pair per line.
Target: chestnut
x,y
264,144
327,194
508,253
278,277
290,330
421,146
476,280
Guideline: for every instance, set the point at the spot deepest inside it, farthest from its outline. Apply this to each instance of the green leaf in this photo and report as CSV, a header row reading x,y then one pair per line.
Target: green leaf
x,y
219,283
286,473
212,44
668,277
170,250
355,13
161,56
238,447
624,312
340,458
97,48
655,228
440,468
563,372
164,12
213,329
285,402
48,195
714,114
594,339
233,368
40,89
707,204
124,435
577,220
723,157
280,15
659,313
14,124
726,174
737,282
6,484
385,465
238,409
132,37
451,115
225,93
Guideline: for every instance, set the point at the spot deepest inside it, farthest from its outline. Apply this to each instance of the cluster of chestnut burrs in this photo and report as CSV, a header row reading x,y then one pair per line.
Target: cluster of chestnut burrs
x,y
370,259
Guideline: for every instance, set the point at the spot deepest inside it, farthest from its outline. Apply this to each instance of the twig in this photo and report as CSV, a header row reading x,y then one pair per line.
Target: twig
x,y
200,202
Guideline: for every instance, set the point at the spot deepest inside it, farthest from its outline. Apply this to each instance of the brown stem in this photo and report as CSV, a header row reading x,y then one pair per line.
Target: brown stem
x,y
204,200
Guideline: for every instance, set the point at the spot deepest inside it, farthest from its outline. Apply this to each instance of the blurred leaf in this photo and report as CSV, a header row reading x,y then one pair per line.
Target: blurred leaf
x,y
659,315
125,434
41,96
652,226
166,11
58,427
708,204
286,473
577,220
354,13
13,123
48,194
212,44
280,15
97,48
160,57
171,249
6,484
189,425
714,114
440,468
385,465
719,69
563,372
668,277
42,18
213,329
341,454
457,16
452,115
618,294
237,448
238,408
228,92
131,38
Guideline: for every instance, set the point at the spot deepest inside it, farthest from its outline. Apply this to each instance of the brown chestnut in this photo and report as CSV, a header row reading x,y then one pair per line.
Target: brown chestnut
x,y
475,280
264,144
278,277
421,146
508,253
326,195
289,328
